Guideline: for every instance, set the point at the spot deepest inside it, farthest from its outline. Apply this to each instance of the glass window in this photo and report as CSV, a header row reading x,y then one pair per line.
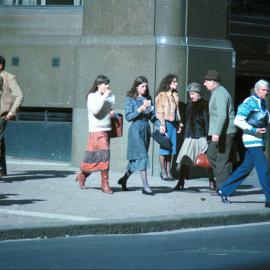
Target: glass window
x,y
250,7
41,2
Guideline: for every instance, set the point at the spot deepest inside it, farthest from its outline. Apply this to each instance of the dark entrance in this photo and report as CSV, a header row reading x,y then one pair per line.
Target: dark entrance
x,y
250,36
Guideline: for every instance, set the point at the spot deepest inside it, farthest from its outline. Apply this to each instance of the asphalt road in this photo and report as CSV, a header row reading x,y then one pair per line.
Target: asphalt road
x,y
231,247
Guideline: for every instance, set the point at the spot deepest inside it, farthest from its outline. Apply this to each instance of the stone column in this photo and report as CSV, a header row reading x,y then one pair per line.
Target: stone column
x,y
118,41
170,19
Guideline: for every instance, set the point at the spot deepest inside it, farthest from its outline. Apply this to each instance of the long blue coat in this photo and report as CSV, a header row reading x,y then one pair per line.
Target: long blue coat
x,y
139,132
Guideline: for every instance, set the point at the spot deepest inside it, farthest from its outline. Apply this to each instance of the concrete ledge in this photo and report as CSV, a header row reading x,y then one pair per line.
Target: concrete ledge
x,y
134,226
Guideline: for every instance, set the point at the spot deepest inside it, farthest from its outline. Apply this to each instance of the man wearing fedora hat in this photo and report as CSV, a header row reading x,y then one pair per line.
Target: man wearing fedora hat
x,y
221,126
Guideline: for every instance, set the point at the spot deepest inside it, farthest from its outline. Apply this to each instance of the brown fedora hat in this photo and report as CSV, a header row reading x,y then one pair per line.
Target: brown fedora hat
x,y
212,75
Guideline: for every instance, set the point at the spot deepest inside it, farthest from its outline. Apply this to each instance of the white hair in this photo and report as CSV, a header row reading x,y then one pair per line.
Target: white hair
x,y
261,83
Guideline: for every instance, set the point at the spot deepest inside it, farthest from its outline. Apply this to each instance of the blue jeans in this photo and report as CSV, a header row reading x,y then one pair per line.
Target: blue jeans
x,y
254,156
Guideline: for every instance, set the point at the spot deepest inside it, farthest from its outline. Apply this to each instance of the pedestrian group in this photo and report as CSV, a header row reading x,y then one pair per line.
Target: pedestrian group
x,y
210,127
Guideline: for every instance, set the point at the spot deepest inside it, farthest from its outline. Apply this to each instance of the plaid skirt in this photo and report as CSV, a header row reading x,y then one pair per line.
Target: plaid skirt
x,y
97,155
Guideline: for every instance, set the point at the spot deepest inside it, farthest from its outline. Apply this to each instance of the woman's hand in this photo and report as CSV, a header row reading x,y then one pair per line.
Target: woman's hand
x,y
144,106
162,129
180,128
107,93
111,113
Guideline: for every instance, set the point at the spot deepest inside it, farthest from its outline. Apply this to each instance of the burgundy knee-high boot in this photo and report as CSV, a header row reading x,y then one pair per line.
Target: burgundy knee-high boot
x,y
105,182
81,178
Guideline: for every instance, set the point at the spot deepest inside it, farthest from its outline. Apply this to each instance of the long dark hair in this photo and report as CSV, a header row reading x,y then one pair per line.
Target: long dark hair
x,y
100,79
133,91
165,83
3,62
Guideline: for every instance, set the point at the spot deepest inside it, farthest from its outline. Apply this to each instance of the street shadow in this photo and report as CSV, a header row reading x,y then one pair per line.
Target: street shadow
x,y
162,189
245,187
35,175
4,196
196,189
239,202
156,189
251,192
5,201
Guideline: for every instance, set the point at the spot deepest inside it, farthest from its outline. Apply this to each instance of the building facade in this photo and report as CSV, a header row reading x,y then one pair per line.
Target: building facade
x,y
57,48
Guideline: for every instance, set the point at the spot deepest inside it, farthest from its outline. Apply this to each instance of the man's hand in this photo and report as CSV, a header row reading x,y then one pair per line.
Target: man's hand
x,y
260,130
215,138
7,117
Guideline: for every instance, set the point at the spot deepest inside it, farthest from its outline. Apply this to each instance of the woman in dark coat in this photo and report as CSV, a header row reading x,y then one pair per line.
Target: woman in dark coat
x,y
195,142
138,110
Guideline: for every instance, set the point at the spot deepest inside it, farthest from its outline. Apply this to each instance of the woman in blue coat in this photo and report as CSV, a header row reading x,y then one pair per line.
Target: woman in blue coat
x,y
139,110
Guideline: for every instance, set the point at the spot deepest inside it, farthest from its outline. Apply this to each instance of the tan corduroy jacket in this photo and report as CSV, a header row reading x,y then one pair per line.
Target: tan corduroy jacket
x,y
167,107
11,95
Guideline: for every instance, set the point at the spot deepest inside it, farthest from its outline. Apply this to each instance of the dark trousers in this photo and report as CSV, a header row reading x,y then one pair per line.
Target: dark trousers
x,y
254,156
219,154
3,167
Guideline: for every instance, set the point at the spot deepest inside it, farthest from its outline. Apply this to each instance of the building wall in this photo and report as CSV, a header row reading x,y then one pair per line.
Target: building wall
x,y
121,39
36,36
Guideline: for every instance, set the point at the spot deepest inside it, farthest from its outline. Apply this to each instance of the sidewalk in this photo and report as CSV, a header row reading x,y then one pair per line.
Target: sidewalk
x,y
41,199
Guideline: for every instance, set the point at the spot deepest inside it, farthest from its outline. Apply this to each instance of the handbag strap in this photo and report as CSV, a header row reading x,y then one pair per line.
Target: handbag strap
x,y
205,148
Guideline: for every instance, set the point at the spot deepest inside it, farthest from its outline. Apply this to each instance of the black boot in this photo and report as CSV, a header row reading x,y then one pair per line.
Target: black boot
x,y
212,182
123,181
180,185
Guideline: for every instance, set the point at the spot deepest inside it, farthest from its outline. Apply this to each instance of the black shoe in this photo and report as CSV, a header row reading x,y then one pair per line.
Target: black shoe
x,y
123,182
223,197
147,192
164,178
267,204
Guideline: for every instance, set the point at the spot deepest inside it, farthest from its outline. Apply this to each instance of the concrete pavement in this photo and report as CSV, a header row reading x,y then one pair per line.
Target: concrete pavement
x,y
41,199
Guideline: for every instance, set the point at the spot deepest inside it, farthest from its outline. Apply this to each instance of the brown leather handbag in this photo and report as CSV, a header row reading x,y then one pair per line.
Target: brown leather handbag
x,y
117,125
202,161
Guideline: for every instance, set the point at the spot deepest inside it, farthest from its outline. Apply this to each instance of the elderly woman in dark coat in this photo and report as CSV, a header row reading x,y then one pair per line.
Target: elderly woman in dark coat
x,y
195,142
138,110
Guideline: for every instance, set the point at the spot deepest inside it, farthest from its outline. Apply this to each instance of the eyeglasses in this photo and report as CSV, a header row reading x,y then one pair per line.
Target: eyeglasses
x,y
265,89
174,81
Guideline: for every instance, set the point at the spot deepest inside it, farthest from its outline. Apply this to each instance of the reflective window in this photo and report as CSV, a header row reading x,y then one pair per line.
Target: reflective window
x,y
250,7
41,2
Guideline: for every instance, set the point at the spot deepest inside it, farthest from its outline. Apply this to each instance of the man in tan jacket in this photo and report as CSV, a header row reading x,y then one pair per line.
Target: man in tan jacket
x,y
11,98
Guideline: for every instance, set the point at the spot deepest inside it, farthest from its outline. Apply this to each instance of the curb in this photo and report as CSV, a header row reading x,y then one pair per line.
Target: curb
x,y
135,226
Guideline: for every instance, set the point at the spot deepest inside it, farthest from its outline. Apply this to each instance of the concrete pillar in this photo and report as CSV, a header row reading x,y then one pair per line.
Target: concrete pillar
x,y
117,41
170,22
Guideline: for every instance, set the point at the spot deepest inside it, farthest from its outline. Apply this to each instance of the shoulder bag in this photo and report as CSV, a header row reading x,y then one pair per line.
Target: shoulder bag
x,y
117,125
258,119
